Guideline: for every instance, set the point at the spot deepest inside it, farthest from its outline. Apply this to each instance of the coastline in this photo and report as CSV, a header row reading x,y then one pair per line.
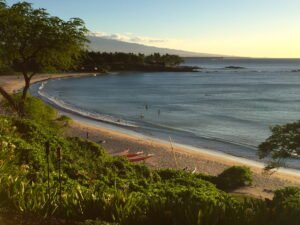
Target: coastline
x,y
205,160
13,83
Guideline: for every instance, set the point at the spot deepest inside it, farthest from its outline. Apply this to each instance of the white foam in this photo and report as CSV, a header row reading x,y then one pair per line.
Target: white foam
x,y
95,116
41,87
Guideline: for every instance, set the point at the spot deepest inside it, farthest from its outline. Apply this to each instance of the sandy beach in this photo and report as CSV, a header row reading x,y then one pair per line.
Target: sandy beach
x,y
14,83
165,154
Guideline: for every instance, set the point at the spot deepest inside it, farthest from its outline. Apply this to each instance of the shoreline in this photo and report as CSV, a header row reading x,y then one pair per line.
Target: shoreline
x,y
13,83
186,158
116,129
205,160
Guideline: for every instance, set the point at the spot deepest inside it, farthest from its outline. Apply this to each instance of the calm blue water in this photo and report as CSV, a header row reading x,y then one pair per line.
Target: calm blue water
x,y
224,109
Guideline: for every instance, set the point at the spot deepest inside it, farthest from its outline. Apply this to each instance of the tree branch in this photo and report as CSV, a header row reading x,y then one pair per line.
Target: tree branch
x,y
31,75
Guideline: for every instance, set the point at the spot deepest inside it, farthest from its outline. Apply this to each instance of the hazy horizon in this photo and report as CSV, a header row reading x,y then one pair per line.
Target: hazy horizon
x,y
123,46
260,29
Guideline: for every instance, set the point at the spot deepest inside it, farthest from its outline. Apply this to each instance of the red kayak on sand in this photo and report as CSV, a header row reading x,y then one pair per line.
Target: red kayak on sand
x,y
133,157
130,155
143,158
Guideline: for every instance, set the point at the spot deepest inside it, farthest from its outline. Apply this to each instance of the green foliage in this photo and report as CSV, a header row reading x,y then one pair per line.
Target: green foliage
x,y
100,189
65,120
286,194
234,177
166,60
32,40
96,222
39,112
286,205
5,70
126,61
288,200
282,144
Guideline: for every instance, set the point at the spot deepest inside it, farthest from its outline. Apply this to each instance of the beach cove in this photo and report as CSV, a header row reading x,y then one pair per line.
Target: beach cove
x,y
204,160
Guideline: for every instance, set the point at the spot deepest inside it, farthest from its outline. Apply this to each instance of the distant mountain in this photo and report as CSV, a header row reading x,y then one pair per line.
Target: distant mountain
x,y
110,45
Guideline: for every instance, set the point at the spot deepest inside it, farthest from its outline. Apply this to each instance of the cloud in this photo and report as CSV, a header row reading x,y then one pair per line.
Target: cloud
x,y
129,37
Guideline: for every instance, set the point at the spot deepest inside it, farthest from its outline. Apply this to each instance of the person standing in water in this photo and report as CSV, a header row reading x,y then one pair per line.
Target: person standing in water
x,y
146,107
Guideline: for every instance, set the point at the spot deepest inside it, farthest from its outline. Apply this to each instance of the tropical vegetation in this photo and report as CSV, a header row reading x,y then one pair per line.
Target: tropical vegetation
x,y
48,176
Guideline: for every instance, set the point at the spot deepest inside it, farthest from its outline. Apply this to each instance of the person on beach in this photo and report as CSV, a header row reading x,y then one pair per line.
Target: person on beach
x,y
146,107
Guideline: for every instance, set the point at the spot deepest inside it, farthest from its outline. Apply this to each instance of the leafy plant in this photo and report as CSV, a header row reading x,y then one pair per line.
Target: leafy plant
x,y
234,177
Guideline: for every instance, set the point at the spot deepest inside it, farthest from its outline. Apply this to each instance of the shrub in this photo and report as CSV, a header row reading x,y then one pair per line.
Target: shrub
x,y
288,197
286,206
167,174
234,177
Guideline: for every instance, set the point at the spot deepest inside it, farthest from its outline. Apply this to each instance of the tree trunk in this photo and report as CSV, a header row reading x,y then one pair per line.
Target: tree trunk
x,y
26,88
18,105
8,98
24,94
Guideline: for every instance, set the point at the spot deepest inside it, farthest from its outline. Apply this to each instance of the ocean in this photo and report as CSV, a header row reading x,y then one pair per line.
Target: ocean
x,y
220,108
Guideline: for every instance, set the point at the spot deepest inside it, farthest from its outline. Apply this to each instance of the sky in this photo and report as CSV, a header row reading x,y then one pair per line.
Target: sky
x,y
253,28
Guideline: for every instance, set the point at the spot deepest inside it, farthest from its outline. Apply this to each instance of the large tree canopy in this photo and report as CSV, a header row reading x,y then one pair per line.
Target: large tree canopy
x,y
32,41
282,144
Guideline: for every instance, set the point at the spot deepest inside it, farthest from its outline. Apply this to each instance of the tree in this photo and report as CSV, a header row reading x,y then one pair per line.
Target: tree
x,y
172,60
282,144
32,41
